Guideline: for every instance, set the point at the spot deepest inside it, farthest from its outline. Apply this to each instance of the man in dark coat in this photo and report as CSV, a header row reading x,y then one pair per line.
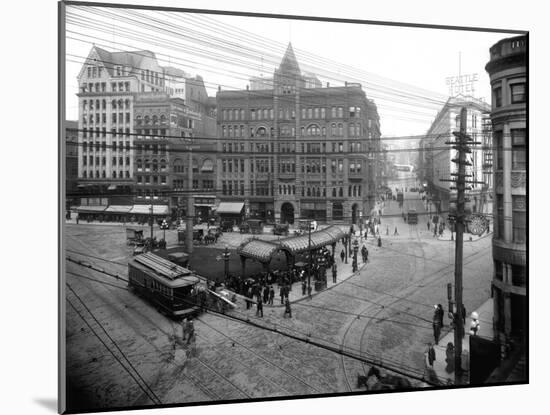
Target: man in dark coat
x,y
304,287
260,308
288,310
334,273
342,255
266,294
282,294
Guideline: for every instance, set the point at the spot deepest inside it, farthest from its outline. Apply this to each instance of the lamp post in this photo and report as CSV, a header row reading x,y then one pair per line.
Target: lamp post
x,y
310,256
226,256
361,225
349,239
345,240
355,249
164,226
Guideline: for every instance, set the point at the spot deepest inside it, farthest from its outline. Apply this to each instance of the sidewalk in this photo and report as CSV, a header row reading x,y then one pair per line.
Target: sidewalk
x,y
438,372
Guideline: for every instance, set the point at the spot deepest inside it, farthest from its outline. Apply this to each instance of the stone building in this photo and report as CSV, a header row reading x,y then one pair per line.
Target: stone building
x,y
298,150
435,160
508,74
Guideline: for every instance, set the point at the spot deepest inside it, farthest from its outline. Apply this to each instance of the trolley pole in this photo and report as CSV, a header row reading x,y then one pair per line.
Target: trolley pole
x,y
309,250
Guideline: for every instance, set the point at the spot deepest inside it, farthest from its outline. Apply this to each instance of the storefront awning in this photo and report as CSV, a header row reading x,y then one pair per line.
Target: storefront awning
x,y
146,210
234,208
118,209
298,244
90,209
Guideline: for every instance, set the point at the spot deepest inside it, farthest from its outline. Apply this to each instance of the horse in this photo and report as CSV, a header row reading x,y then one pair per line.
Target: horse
x,y
387,382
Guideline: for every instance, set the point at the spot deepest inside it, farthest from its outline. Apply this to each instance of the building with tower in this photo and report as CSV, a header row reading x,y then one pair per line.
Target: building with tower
x,y
297,149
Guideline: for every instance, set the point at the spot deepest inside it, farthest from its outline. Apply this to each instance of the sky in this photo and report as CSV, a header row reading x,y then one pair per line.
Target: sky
x,y
403,69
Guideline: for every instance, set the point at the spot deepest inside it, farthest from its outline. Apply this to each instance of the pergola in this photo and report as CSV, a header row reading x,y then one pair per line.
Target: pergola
x,y
263,251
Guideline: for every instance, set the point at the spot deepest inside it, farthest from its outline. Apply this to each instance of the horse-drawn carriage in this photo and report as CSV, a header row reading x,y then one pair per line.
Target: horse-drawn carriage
x,y
280,229
204,235
134,237
254,226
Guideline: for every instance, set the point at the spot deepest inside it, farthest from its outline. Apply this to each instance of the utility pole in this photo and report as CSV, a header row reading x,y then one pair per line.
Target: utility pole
x,y
462,145
190,207
151,222
309,251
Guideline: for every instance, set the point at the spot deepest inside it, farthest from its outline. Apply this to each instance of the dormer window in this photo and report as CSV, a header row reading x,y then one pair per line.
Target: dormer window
x,y
119,70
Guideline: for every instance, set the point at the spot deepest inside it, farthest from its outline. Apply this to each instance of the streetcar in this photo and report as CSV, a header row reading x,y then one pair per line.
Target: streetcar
x,y
174,290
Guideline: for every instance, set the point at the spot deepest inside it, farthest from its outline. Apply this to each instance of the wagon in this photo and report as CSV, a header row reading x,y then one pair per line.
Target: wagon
x,y
280,229
134,237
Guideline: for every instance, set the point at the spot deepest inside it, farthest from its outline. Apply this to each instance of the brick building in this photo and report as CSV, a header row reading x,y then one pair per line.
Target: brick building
x,y
298,150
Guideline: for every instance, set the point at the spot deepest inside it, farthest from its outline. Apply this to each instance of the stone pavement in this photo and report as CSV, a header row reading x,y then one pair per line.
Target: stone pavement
x,y
438,372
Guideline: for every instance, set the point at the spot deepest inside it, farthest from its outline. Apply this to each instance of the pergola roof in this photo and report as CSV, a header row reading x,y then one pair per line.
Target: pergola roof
x,y
257,249
264,250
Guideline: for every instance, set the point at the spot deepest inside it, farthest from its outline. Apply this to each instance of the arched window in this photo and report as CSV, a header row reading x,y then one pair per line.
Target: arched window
x,y
163,165
261,132
147,120
333,129
207,166
316,113
163,119
113,104
308,191
103,104
313,129
120,103
334,192
155,119
340,129
147,165
138,120
139,164
341,192
127,104
351,129
349,191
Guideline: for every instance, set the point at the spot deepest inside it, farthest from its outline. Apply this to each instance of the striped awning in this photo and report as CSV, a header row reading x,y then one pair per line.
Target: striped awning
x,y
230,207
258,250
118,209
146,210
298,244
90,209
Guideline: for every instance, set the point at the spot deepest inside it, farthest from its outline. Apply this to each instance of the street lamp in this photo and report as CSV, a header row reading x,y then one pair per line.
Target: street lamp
x,y
349,239
226,256
361,225
345,240
164,226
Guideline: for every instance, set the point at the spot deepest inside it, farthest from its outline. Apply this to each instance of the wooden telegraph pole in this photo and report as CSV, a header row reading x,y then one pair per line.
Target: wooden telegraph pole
x,y
462,145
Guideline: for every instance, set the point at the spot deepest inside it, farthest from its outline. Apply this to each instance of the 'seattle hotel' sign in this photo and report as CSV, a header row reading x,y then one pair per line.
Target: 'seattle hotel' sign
x,y
462,84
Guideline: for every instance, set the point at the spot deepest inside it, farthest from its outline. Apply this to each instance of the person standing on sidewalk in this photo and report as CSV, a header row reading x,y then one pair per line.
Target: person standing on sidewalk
x,y
428,224
282,294
342,255
431,355
271,295
334,273
260,308
304,287
309,291
437,324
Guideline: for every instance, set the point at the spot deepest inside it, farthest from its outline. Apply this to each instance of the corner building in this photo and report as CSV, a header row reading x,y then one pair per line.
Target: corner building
x,y
507,70
298,150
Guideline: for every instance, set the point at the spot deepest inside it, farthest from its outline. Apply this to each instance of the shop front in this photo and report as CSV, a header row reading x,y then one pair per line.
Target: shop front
x,y
230,212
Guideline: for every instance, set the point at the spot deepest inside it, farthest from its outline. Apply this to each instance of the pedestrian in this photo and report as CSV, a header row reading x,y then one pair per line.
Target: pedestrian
x,y
450,358
288,310
395,231
309,291
282,294
366,233
342,255
260,308
271,295
428,224
304,287
463,315
431,354
184,329
190,331
266,294
387,230
474,324
334,273
77,218
436,324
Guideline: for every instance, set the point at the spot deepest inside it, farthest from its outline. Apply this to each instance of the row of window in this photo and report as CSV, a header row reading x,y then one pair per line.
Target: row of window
x,y
103,146
103,161
288,166
153,148
122,117
151,134
238,114
152,77
102,105
336,130
180,184
518,94
103,133
153,120
102,87
102,175
321,148
149,165
151,179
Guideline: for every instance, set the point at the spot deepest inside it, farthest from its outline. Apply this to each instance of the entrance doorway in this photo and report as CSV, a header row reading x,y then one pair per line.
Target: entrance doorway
x,y
354,213
287,213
